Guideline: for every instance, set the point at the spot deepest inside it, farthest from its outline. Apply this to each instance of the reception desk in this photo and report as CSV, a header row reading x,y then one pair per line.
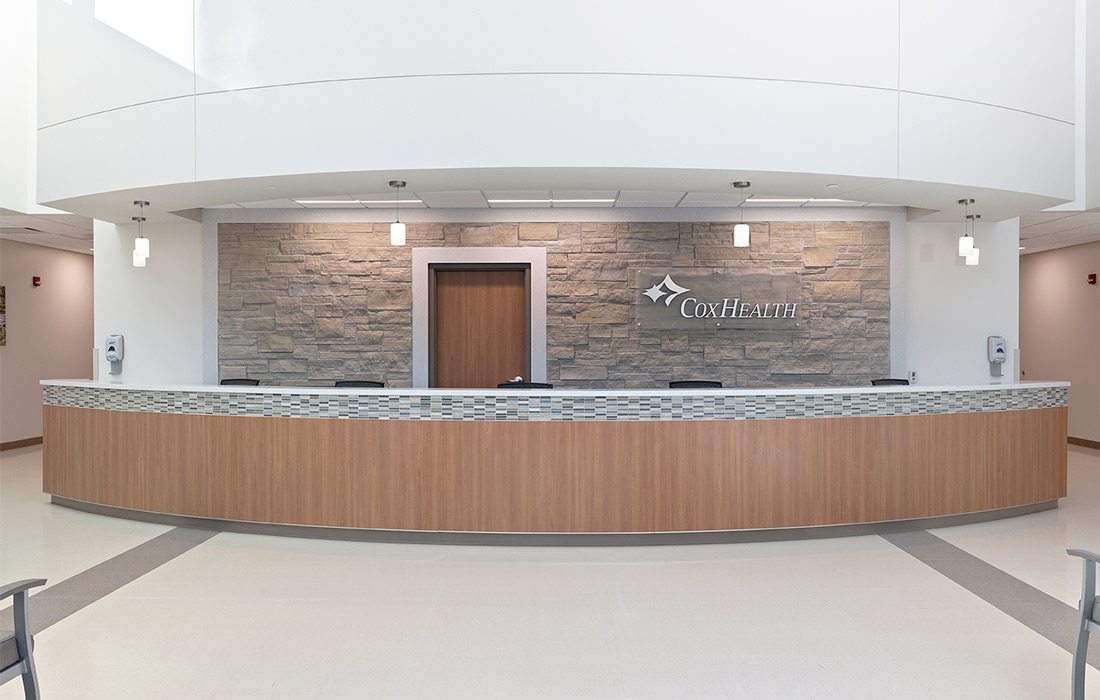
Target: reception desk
x,y
566,466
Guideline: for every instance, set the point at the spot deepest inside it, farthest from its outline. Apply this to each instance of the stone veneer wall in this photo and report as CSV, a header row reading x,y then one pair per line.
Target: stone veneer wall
x,y
304,304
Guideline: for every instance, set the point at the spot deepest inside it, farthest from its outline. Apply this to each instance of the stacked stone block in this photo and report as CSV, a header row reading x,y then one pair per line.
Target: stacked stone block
x,y
305,304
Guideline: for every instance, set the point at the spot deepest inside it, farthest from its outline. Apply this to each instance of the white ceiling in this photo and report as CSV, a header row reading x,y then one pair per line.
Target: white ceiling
x,y
64,231
1047,230
1038,231
540,199
471,188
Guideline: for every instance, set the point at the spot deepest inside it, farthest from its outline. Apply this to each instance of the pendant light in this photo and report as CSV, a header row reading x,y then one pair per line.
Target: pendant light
x,y
973,254
741,230
397,229
966,241
141,243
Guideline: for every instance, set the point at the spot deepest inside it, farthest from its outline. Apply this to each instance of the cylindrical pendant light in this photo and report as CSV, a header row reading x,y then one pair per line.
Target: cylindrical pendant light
x,y
141,243
397,229
966,241
966,244
973,254
741,230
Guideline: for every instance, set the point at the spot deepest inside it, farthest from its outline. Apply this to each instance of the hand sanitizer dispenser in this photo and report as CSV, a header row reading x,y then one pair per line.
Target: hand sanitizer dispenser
x,y
998,353
114,353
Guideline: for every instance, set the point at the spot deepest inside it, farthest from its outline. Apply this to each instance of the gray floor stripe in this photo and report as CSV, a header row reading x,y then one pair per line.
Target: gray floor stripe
x,y
1041,612
62,599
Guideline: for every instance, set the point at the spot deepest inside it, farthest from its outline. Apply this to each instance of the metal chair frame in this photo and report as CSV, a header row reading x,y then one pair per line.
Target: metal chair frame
x,y
1087,622
24,643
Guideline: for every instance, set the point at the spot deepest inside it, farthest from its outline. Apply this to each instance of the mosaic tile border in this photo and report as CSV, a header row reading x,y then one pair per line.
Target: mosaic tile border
x,y
556,408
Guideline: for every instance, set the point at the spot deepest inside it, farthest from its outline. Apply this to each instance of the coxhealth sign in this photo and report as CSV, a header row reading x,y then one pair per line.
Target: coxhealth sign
x,y
690,298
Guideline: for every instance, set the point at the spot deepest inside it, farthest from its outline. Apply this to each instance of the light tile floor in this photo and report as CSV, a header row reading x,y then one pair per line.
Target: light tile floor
x,y
244,616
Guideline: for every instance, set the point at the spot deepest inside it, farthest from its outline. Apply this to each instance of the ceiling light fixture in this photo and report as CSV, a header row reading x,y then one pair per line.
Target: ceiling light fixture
x,y
973,255
741,230
583,201
141,243
327,201
397,229
379,202
966,241
550,201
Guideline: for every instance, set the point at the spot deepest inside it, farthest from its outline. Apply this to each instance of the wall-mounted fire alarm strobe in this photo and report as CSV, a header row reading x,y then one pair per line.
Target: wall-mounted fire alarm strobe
x,y
1092,278
36,281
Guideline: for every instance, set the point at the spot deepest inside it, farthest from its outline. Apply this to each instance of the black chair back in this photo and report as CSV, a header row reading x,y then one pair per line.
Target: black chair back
x,y
889,382
360,383
240,382
525,385
695,384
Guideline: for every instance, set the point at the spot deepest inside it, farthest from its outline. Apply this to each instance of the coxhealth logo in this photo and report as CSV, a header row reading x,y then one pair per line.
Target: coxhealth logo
x,y
667,289
691,307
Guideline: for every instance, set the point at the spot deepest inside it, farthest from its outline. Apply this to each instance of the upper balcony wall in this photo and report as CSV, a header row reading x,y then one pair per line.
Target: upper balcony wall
x,y
856,87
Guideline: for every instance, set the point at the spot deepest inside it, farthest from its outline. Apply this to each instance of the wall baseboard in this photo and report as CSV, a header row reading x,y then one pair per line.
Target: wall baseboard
x,y
16,444
1082,442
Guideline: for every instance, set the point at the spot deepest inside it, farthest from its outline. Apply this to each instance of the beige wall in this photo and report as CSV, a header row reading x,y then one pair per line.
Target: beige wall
x,y
1060,328
49,330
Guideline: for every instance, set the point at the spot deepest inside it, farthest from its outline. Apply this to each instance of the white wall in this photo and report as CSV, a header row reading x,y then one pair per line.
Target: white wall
x,y
852,88
16,94
49,330
159,308
18,88
952,307
99,55
1089,64
941,310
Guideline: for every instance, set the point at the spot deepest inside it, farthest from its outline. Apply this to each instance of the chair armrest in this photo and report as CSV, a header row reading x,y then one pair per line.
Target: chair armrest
x,y
20,586
1084,554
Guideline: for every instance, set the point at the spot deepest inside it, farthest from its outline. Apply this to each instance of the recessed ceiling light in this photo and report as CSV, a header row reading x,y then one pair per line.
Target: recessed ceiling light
x,y
582,201
1023,248
388,202
550,201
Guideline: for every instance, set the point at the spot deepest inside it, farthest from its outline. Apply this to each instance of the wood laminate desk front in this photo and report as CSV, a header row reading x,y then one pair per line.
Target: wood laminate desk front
x,y
556,461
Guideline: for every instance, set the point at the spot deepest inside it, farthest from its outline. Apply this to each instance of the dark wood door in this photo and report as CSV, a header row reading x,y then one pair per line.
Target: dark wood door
x,y
480,327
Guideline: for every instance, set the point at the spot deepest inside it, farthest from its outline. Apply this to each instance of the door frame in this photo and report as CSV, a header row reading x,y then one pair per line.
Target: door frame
x,y
490,267
423,259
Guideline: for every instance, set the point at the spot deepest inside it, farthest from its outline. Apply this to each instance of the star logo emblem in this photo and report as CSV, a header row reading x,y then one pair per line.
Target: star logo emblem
x,y
666,289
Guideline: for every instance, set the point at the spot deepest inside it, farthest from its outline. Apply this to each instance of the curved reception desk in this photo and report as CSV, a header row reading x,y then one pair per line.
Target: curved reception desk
x,y
561,466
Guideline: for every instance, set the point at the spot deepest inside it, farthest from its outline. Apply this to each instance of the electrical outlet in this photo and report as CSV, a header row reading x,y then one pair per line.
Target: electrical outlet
x,y
912,376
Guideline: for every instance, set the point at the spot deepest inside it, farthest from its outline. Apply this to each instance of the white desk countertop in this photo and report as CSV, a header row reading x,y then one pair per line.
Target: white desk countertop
x,y
397,391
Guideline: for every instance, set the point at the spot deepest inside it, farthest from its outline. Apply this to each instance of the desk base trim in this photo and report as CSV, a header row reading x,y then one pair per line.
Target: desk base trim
x,y
557,539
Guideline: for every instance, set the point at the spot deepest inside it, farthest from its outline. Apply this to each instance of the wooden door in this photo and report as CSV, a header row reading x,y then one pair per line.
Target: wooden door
x,y
480,321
